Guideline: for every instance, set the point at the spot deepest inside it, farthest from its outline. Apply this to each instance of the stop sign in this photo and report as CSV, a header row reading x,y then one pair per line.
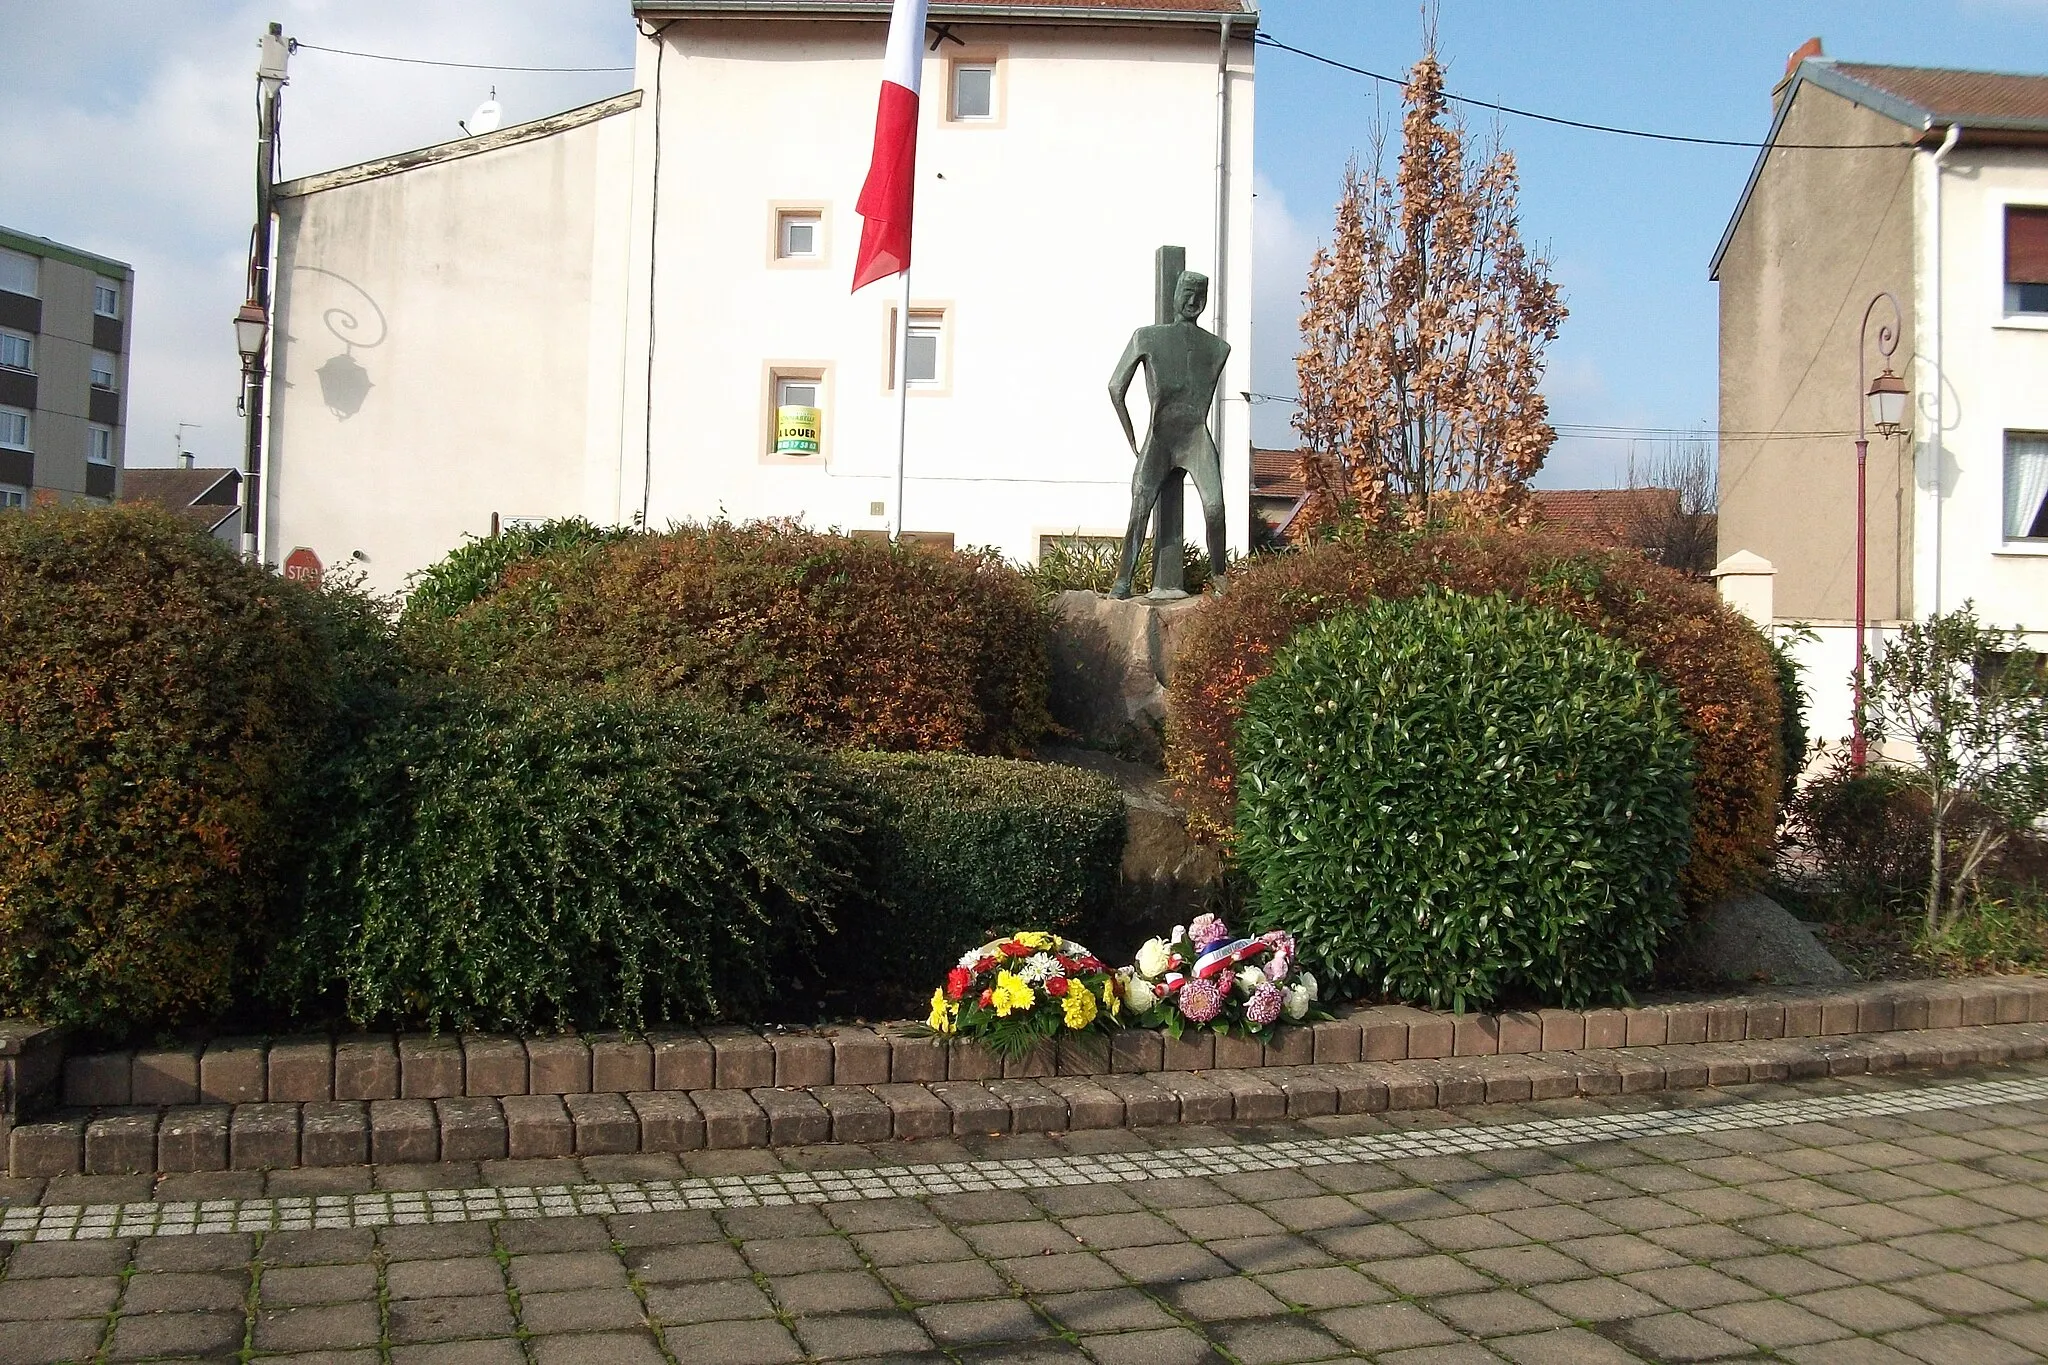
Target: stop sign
x,y
303,566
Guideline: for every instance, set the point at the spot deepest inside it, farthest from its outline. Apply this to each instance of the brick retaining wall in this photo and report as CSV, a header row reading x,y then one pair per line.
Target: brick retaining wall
x,y
426,1067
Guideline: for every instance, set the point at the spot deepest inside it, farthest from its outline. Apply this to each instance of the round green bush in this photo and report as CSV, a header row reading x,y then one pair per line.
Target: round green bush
x,y
1459,800
477,566
570,860
163,709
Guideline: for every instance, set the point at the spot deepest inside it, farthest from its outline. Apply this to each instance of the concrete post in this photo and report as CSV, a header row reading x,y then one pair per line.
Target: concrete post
x,y
1745,583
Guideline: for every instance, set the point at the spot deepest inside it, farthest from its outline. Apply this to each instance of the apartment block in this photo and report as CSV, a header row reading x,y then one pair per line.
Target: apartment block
x,y
64,338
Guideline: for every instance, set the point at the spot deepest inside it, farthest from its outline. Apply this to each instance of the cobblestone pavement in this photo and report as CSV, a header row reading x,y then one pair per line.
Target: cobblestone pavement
x,y
1864,1219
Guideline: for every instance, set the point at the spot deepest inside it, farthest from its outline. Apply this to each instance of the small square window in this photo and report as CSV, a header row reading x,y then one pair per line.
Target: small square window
x,y
974,90
926,349
13,429
99,444
796,393
18,272
17,352
2026,259
106,298
799,236
2026,485
102,370
13,498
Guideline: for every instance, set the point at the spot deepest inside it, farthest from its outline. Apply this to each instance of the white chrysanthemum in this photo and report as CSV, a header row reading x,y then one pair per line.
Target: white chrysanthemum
x,y
1039,967
1295,1001
1139,995
968,959
1249,979
1154,958
1308,981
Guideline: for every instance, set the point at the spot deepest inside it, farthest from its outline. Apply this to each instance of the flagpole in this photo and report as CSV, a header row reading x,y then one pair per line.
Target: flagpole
x,y
902,400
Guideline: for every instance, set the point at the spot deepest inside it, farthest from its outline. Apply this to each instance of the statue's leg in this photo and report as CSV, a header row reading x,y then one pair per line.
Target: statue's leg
x,y
1206,472
1144,493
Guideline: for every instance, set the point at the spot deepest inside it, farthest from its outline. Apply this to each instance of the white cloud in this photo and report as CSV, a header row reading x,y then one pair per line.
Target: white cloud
x,y
132,134
1282,246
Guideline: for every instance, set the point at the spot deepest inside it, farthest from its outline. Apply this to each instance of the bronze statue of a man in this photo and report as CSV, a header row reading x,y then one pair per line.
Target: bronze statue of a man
x,y
1183,364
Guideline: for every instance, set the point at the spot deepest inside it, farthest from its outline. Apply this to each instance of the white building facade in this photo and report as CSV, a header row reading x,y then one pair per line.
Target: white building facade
x,y
600,313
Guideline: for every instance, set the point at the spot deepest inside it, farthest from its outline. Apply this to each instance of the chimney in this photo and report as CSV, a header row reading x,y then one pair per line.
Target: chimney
x,y
185,458
1809,48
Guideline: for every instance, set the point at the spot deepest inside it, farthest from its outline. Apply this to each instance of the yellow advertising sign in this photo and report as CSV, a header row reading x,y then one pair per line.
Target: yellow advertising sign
x,y
797,430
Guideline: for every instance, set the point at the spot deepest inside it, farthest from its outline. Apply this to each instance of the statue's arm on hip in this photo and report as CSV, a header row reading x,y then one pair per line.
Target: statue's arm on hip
x,y
1119,386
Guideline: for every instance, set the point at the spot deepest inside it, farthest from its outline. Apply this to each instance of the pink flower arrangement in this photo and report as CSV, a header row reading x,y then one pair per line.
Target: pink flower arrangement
x,y
1211,979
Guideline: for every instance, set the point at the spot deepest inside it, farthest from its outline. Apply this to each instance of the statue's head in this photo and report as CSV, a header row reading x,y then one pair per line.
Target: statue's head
x,y
1190,295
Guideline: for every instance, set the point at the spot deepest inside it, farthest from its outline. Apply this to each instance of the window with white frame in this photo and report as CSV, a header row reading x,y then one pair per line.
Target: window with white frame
x,y
99,444
18,272
17,352
2026,485
797,392
974,91
106,298
13,497
2026,259
13,429
102,370
799,235
926,349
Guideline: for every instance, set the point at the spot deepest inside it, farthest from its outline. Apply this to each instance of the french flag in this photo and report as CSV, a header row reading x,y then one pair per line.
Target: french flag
x,y
885,200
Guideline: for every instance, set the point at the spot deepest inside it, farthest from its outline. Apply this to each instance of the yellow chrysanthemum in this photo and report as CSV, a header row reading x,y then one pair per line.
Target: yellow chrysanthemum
x,y
943,1012
1080,1007
1041,942
1111,999
1010,994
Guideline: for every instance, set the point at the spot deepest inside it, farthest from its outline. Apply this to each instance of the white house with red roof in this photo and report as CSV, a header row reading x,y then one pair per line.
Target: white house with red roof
x,y
602,313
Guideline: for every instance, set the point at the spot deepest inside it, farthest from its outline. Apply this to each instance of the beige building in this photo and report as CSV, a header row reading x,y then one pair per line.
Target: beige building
x,y
63,371
1931,186
599,313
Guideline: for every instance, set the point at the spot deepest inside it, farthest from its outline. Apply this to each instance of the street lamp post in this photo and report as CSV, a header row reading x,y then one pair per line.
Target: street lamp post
x,y
1883,404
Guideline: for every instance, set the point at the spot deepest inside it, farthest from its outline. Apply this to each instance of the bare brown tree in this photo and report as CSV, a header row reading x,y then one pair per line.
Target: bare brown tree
x,y
1423,333
1678,526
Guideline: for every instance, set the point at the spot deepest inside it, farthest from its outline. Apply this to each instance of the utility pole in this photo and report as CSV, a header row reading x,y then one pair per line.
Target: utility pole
x,y
253,322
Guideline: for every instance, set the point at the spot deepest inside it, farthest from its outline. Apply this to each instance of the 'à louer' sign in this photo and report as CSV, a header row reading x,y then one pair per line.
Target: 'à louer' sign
x,y
796,430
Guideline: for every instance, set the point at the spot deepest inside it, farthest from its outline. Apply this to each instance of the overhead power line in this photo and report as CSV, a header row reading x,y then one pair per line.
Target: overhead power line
x,y
463,66
1265,39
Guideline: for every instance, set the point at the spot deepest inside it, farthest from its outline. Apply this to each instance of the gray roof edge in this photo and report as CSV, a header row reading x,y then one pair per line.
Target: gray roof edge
x,y
43,246
1017,11
1821,72
443,152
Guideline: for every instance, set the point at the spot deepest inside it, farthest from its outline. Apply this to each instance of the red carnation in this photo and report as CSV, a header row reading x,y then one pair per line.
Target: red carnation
x,y
985,964
957,982
1015,949
987,998
1091,964
1056,987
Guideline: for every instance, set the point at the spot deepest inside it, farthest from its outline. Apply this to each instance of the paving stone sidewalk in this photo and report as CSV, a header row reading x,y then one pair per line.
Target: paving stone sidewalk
x,y
1917,1236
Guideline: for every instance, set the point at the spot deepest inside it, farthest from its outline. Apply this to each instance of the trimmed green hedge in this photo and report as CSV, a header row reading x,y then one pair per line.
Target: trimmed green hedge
x,y
571,860
963,850
1456,800
476,567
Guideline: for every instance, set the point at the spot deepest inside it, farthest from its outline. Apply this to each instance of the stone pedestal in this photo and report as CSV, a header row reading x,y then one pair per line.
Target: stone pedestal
x,y
1111,661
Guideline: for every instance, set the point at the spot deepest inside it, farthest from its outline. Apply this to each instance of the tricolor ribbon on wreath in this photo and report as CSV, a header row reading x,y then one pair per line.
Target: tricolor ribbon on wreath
x,y
1222,958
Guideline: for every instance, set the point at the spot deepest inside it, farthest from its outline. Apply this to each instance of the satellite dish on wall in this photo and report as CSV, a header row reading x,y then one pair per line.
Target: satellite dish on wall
x,y
486,119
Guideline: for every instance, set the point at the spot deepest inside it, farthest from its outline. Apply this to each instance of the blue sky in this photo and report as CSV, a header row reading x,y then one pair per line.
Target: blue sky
x,y
153,98
1630,224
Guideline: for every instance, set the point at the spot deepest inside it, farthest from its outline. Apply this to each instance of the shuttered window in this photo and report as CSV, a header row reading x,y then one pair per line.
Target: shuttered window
x,y
2026,259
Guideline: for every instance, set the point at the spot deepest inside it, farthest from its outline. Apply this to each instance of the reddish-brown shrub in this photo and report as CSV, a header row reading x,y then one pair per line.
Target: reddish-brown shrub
x,y
834,641
163,706
1716,662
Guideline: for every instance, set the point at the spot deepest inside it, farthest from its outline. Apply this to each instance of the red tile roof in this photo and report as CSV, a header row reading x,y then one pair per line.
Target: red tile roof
x,y
1602,513
942,9
1277,474
1959,96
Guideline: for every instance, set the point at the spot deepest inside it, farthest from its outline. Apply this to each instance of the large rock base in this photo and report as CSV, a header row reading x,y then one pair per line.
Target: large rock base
x,y
1111,660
